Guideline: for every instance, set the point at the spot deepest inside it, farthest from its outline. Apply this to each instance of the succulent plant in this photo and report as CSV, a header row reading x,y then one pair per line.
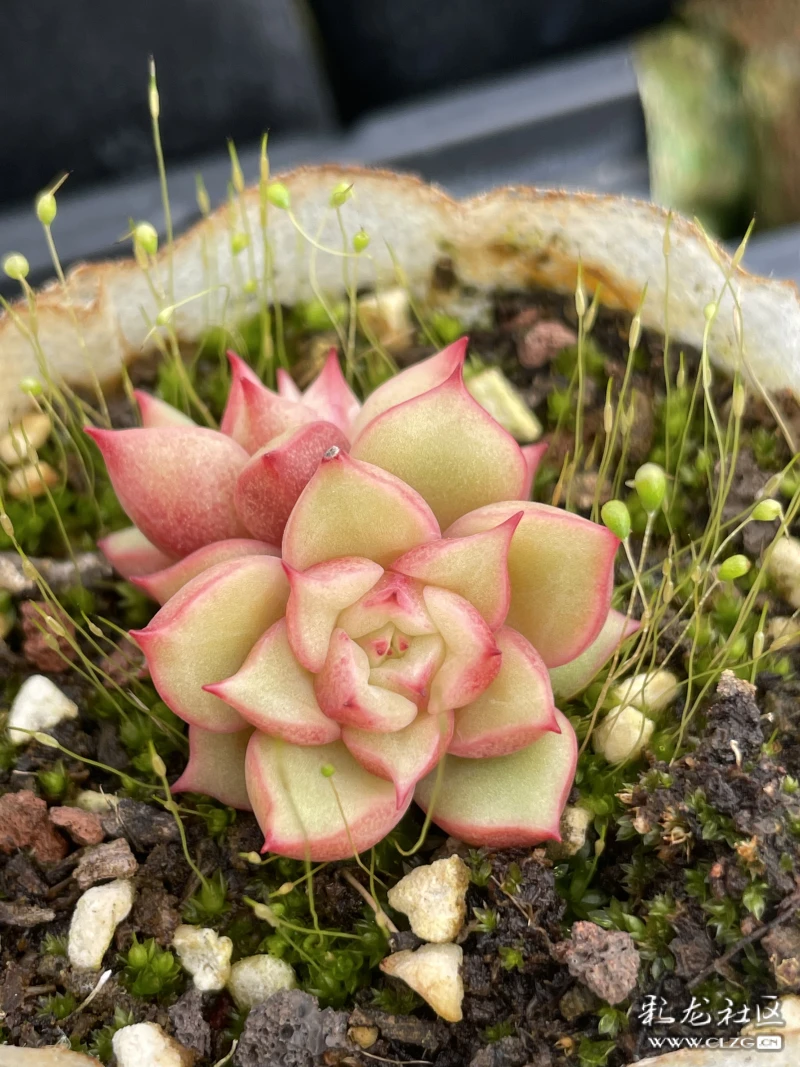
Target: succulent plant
x,y
400,644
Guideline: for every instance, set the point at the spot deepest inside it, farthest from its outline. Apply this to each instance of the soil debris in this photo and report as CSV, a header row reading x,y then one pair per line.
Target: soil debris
x,y
606,961
14,913
113,859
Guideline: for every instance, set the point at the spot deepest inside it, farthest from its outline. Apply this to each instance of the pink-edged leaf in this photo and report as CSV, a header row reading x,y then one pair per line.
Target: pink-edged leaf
x,y
269,486
345,694
254,415
274,693
416,379
574,676
331,397
318,596
446,446
131,554
163,584
287,387
216,767
155,412
378,644
514,711
475,567
472,658
412,670
405,756
176,483
508,801
350,508
205,632
306,814
394,599
562,574
533,457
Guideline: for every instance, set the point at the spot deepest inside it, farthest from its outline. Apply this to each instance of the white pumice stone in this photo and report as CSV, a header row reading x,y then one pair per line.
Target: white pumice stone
x,y
495,394
434,899
38,706
97,915
649,691
205,955
95,802
146,1045
34,479
255,978
622,734
575,823
783,632
783,567
386,315
48,1056
433,971
20,443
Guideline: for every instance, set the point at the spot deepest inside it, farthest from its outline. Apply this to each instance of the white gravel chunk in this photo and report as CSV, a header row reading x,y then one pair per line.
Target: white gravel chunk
x,y
650,691
49,1056
255,978
205,955
783,567
434,899
95,802
622,734
20,443
38,706
433,971
97,915
146,1045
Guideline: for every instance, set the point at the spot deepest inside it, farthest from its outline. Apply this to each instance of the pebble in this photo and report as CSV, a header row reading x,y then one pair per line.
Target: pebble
x,y
434,897
495,394
205,955
146,1045
575,823
649,691
49,1056
783,567
82,826
97,914
13,913
606,961
38,706
32,480
144,825
622,734
91,800
387,317
783,632
543,341
22,441
113,859
255,978
24,824
433,971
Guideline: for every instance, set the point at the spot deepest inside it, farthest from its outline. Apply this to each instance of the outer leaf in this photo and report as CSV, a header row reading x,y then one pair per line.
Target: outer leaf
x,y
331,397
514,711
216,767
576,675
204,633
163,584
269,486
405,756
509,801
317,598
175,482
131,554
475,567
157,412
254,415
472,659
350,508
274,693
305,815
394,599
444,445
411,382
344,692
562,574
533,457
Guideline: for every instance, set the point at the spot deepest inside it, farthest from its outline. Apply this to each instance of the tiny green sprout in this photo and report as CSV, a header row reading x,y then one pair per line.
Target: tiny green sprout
x,y
733,567
650,483
789,785
60,1006
485,920
767,511
209,903
16,266
149,970
447,327
46,208
360,241
53,945
146,237
239,241
511,959
342,192
278,195
327,770
164,316
55,782
617,518
31,386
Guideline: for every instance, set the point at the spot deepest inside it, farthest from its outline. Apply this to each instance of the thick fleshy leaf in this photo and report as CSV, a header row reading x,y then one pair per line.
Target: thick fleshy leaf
x,y
274,693
287,387
131,554
562,574
345,694
378,644
533,457
444,445
176,483
216,767
416,379
254,415
205,632
508,801
331,397
411,671
472,658
155,412
514,711
269,486
394,599
317,598
576,675
474,567
306,814
163,584
405,756
355,509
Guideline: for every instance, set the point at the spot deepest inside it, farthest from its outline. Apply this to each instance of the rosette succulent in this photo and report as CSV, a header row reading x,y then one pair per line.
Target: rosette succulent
x,y
361,607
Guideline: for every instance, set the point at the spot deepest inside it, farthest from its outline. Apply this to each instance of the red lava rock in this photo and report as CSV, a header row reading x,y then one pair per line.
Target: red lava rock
x,y
83,827
543,341
40,646
604,960
24,823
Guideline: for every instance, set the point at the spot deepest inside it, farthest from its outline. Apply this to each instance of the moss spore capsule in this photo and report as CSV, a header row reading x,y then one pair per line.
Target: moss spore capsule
x,y
617,518
650,482
733,567
342,192
360,241
146,237
767,511
16,266
278,196
46,208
